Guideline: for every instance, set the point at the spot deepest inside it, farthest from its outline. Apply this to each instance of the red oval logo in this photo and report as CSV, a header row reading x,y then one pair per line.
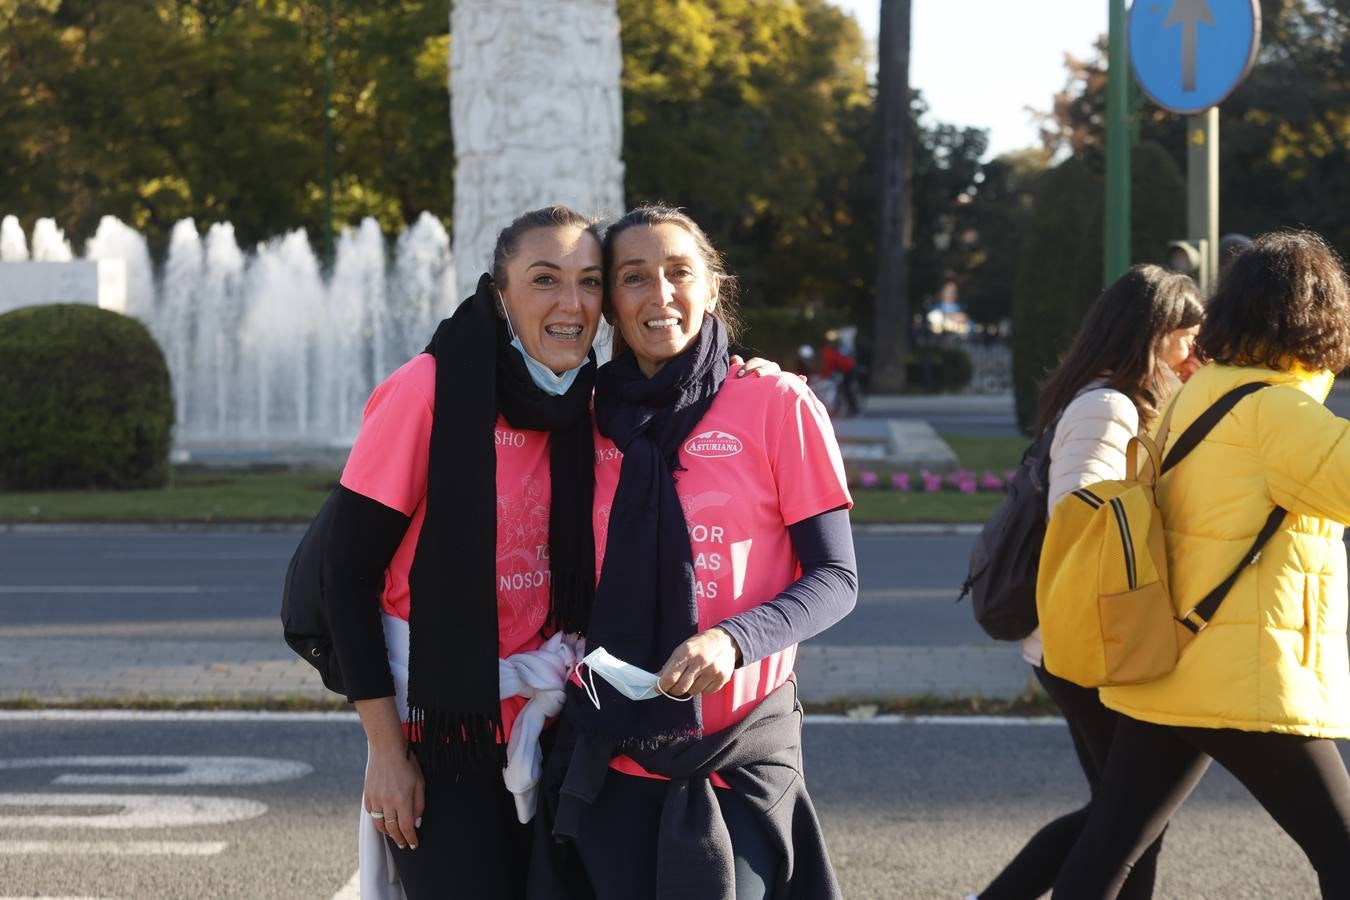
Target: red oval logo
x,y
713,445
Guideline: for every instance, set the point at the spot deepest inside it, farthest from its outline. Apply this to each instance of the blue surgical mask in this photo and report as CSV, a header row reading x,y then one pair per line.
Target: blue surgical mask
x,y
543,377
626,678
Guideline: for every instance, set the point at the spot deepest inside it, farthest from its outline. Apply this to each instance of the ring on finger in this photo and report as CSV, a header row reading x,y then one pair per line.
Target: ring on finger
x,y
377,815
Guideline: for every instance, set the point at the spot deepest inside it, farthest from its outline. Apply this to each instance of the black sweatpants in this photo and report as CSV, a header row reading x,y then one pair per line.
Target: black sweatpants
x,y
470,843
619,840
1300,781
1032,872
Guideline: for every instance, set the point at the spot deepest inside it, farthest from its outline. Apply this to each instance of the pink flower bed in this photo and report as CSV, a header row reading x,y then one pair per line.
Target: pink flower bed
x,y
964,481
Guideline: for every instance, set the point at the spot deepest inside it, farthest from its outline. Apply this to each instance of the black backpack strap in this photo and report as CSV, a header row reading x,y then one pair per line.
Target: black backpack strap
x,y
1199,617
1192,436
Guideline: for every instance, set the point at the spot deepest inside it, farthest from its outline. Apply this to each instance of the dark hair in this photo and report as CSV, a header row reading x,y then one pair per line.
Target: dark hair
x,y
660,214
1118,342
508,239
1284,297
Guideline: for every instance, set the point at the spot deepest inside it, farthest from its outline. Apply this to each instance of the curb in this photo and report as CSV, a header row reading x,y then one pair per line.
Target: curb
x,y
921,528
150,527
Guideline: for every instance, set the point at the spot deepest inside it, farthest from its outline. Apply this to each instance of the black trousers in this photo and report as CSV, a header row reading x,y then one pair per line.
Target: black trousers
x,y
1032,872
619,840
470,842
1300,781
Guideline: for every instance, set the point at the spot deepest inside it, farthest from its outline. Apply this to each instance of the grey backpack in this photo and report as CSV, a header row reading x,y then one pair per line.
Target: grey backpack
x,y
1003,564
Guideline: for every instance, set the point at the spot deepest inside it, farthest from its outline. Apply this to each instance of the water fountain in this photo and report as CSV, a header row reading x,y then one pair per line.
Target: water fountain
x,y
269,359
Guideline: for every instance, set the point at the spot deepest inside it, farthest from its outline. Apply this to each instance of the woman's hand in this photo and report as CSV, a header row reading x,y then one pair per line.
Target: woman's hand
x,y
758,367
701,665
395,792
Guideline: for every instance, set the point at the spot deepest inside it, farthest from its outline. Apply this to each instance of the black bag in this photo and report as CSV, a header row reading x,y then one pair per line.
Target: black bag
x,y
1007,554
303,620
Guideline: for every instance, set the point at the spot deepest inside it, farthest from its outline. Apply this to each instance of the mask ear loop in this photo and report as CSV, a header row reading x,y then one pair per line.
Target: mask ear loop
x,y
510,329
588,685
672,696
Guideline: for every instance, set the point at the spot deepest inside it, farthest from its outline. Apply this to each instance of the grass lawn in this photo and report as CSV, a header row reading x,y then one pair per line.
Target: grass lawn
x,y
195,496
295,496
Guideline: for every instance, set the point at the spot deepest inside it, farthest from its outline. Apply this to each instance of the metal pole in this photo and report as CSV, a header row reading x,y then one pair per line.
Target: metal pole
x,y
1117,148
1202,192
328,158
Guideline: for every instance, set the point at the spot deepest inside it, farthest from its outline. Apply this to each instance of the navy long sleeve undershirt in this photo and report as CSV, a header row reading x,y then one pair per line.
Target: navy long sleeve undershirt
x,y
826,591
362,540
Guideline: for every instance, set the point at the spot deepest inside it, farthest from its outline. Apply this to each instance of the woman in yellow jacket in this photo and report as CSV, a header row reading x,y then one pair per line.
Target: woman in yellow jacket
x,y
1265,688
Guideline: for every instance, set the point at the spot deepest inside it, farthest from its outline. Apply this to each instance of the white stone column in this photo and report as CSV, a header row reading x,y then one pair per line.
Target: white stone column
x,y
537,116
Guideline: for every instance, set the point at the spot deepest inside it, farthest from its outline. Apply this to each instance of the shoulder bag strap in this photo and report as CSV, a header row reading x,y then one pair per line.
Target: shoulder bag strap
x,y
1192,436
1196,620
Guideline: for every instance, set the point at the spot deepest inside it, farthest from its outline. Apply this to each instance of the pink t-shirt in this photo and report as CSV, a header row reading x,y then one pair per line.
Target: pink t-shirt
x,y
763,457
388,464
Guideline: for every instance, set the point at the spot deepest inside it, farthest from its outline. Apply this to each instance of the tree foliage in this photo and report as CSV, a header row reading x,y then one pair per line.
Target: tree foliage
x,y
156,110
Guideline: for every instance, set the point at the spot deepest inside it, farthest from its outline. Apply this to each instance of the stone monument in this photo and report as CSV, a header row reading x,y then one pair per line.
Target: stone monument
x,y
537,116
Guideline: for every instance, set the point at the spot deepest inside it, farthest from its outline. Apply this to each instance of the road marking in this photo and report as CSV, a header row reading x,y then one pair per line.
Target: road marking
x,y
911,594
131,715
111,848
253,628
995,721
198,555
127,811
194,771
113,589
349,891
186,715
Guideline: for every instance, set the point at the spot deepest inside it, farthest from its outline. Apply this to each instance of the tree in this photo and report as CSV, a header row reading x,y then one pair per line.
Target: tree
x,y
1058,275
891,332
997,215
752,114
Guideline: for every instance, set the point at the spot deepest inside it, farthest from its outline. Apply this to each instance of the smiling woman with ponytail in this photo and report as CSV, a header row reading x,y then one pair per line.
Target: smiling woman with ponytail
x,y
461,555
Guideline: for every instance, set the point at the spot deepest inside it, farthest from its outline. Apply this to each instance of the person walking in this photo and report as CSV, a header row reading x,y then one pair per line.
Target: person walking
x,y
721,517
1264,687
1132,351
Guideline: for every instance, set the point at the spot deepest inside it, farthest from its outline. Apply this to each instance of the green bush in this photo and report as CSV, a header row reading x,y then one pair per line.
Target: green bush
x,y
84,401
948,369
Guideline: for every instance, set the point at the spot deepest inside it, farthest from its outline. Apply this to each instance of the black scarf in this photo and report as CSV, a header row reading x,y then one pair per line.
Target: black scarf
x,y
645,605
453,702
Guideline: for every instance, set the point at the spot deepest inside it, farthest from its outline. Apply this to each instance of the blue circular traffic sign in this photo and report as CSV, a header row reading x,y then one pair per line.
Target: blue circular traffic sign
x,y
1189,55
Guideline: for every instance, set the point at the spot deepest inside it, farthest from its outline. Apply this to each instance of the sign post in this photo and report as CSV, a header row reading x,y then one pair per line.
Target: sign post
x,y
1188,57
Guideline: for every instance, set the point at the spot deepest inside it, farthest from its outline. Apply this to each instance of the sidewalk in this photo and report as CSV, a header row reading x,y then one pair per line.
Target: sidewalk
x,y
247,660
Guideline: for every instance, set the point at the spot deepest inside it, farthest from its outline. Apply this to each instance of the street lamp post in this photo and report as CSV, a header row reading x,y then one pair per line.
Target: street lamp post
x,y
1117,148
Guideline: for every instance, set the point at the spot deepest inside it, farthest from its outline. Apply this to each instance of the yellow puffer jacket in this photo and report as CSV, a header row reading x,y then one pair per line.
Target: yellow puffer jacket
x,y
1274,657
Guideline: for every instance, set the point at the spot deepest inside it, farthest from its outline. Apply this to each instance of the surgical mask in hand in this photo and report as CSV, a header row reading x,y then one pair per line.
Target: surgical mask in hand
x,y
626,678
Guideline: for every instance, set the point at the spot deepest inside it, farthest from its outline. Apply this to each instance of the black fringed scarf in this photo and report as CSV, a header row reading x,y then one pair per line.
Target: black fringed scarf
x,y
645,605
453,704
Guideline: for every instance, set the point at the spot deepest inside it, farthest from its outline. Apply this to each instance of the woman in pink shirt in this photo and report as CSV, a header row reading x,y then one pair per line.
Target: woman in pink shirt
x,y
460,550
722,539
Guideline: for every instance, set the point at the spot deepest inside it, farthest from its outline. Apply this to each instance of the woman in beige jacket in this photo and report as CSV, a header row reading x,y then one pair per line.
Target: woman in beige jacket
x,y
1125,362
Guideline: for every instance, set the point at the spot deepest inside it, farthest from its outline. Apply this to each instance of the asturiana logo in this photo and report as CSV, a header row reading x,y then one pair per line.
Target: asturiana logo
x,y
714,445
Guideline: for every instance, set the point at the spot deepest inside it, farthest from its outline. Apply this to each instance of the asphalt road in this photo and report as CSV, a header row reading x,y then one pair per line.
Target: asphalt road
x,y
217,583
910,811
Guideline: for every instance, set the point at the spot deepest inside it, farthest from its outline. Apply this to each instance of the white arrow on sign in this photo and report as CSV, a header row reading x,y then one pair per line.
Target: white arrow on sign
x,y
1189,14
193,771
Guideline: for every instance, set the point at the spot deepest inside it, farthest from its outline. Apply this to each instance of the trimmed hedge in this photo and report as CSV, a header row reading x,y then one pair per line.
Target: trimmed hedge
x,y
85,401
948,369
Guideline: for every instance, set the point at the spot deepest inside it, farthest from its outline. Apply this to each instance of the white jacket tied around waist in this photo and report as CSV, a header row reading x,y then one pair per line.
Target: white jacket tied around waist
x,y
1089,446
540,676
